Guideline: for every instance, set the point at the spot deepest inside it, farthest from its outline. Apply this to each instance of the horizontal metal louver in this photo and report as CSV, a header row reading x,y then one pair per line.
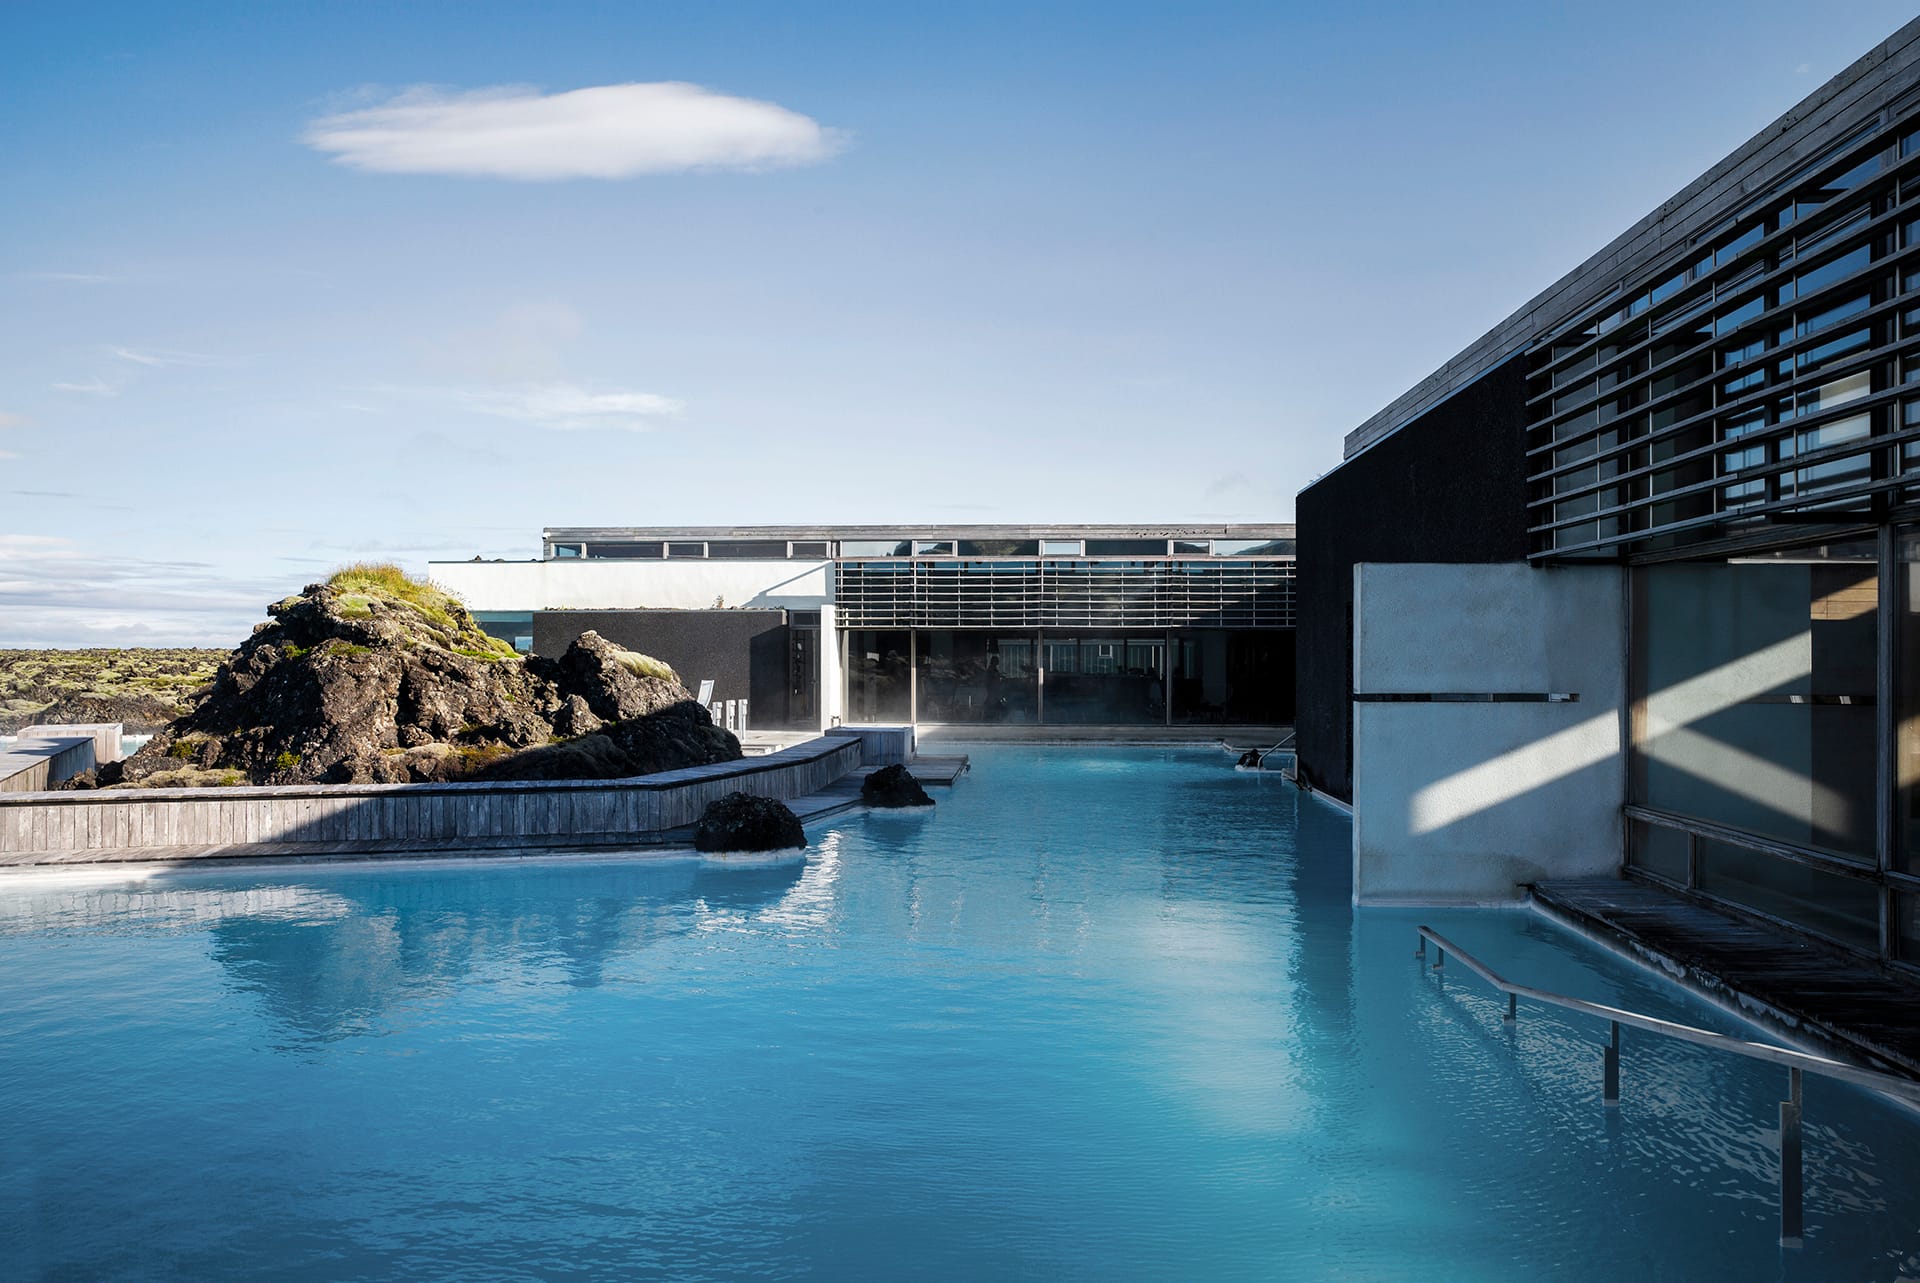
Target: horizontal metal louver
x,y
1064,594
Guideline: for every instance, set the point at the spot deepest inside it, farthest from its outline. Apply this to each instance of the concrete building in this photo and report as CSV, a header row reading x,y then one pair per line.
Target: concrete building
x,y
1644,595
1034,625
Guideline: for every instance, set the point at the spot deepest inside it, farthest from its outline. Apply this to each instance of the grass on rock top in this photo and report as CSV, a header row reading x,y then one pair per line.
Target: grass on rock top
x,y
359,586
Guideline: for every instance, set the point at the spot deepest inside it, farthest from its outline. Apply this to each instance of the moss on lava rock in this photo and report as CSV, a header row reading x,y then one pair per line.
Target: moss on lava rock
x,y
372,677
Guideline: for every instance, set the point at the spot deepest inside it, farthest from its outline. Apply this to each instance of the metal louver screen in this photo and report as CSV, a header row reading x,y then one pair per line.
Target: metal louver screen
x,y
1064,594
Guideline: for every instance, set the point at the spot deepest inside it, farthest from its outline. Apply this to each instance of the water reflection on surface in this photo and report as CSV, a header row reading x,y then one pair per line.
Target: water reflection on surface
x,y
1099,1016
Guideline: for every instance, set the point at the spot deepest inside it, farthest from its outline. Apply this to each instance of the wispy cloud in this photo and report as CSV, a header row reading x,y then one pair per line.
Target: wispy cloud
x,y
92,387
161,358
608,131
566,407
56,592
12,420
77,278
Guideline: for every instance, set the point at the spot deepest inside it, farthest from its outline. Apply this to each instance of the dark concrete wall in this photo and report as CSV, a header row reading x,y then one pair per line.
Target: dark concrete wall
x,y
1451,486
744,651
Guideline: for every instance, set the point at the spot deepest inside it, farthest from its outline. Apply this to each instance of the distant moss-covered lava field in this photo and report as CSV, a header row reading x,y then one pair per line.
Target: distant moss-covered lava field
x,y
141,688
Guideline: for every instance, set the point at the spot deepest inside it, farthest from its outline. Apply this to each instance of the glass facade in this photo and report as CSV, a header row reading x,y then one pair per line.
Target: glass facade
x,y
1101,677
1741,425
1121,639
976,677
1765,369
514,626
1754,683
1775,734
879,668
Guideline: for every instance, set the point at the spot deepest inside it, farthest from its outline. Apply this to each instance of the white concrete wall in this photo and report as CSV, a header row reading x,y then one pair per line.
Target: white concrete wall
x,y
589,583
1465,802
833,687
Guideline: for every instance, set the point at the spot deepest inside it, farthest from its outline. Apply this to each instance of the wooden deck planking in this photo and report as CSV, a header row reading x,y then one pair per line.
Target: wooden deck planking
x,y
1852,1005
938,770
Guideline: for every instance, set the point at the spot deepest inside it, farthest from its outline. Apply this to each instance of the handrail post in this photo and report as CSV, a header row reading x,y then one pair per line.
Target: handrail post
x,y
1513,1007
1610,1062
1439,957
1421,952
1790,1172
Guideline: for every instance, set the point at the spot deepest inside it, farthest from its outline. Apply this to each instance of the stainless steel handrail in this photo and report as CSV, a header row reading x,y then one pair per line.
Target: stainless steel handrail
x,y
1870,1078
1795,1062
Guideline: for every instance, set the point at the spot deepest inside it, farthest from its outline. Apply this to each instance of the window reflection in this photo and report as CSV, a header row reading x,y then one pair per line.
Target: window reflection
x,y
879,680
1754,683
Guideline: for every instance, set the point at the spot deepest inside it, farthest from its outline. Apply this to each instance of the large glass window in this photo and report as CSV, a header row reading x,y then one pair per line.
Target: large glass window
x,y
1907,705
1658,849
1107,679
1754,684
510,626
1846,908
1233,676
879,675
976,677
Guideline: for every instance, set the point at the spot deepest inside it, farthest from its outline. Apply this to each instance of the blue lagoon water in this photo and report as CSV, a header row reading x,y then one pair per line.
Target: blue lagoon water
x,y
1104,1015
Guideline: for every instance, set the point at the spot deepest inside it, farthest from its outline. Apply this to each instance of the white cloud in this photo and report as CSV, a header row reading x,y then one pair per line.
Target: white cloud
x,y
608,131
8,454
92,387
12,420
78,278
56,592
160,357
568,407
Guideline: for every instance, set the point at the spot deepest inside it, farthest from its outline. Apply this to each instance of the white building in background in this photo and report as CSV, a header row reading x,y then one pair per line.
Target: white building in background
x,y
1061,625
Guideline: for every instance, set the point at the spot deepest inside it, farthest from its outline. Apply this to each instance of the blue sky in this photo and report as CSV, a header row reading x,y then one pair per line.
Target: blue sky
x,y
283,287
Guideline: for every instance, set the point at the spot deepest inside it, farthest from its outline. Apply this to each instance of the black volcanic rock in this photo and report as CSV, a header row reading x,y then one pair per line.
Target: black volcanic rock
x,y
893,786
675,736
374,678
743,822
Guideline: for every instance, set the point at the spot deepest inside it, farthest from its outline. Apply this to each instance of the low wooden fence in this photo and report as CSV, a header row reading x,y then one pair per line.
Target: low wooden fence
x,y
417,819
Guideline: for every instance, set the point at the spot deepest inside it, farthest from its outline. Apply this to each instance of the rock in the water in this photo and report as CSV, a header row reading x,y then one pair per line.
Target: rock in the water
x,y
892,786
743,822
372,677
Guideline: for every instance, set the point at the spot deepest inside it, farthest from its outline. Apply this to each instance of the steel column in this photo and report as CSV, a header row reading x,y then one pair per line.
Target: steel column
x,y
1790,1171
1610,1065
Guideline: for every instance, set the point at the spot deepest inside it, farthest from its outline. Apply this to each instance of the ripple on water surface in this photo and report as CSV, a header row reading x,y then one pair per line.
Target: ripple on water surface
x,y
1104,1014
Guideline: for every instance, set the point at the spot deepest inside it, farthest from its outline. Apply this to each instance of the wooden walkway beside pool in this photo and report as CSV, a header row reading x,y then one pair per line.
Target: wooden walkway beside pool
x,y
938,770
1864,1011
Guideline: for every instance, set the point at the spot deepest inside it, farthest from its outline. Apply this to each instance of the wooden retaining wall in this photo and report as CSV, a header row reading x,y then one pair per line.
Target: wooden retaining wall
x,y
414,819
36,762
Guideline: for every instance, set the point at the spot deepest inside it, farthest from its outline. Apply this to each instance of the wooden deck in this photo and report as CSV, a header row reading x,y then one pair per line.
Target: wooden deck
x,y
1854,1007
938,770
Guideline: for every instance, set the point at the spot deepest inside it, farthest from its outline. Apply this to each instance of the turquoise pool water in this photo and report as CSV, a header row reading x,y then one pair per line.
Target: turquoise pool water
x,y
1103,1015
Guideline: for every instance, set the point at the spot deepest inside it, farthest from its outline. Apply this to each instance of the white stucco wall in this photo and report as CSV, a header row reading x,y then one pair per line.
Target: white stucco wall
x,y
1465,802
587,584
833,708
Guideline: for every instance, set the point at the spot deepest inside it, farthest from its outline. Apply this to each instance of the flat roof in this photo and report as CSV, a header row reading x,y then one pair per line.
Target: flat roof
x,y
649,533
1751,175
